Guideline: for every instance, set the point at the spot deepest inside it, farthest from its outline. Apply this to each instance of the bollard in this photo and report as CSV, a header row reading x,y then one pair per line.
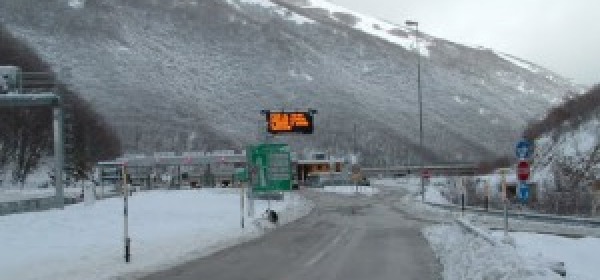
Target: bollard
x,y
462,201
127,249
487,202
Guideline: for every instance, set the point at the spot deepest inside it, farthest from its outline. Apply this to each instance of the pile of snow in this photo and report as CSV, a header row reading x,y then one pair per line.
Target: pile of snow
x,y
409,184
366,190
465,256
579,255
433,194
434,188
166,228
77,4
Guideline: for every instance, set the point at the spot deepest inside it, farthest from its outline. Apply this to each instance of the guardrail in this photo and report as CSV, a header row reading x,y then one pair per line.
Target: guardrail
x,y
476,231
40,204
525,216
32,205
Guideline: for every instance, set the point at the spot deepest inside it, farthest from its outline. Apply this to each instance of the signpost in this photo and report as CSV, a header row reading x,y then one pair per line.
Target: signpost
x,y
523,170
523,192
505,202
426,174
270,166
523,149
126,213
356,176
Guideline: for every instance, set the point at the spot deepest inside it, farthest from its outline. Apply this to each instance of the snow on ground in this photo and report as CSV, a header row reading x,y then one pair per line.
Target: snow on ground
x,y
408,183
166,228
465,256
434,195
38,178
299,19
433,188
377,27
579,255
350,190
518,62
393,33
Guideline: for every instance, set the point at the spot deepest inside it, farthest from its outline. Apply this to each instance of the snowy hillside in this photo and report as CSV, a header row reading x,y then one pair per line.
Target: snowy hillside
x,y
567,154
573,151
193,75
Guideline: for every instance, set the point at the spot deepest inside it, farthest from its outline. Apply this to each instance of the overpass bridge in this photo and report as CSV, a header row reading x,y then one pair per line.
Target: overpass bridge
x,y
461,169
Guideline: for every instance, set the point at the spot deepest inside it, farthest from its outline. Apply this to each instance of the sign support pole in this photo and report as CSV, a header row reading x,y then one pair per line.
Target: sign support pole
x,y
241,204
58,126
505,199
487,196
126,215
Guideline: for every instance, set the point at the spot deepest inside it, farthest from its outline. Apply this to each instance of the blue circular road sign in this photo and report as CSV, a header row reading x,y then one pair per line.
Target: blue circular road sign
x,y
523,149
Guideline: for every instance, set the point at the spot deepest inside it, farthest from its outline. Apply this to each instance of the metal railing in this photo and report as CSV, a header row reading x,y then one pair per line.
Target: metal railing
x,y
571,220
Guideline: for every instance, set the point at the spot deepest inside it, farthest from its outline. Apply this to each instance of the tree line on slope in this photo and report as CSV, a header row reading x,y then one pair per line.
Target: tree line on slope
x,y
26,133
569,114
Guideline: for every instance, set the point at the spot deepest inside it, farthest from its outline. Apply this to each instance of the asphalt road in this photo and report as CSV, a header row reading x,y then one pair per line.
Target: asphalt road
x,y
344,237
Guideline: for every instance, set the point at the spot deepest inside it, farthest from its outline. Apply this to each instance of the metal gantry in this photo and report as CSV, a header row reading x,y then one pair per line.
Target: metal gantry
x,y
44,96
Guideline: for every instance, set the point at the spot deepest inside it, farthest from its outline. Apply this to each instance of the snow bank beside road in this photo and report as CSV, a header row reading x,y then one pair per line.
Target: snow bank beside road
x,y
166,228
579,255
433,194
465,256
433,189
350,190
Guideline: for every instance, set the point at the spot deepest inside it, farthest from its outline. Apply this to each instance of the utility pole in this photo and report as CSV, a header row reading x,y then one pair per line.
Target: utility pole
x,y
354,140
422,161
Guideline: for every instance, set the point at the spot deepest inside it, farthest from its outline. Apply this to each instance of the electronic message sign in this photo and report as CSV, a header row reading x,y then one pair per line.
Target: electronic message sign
x,y
290,122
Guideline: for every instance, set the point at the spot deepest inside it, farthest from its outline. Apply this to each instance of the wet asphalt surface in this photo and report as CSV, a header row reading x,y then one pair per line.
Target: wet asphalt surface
x,y
345,237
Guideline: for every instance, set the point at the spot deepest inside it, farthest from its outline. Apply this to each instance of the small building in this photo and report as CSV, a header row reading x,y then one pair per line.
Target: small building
x,y
316,168
166,169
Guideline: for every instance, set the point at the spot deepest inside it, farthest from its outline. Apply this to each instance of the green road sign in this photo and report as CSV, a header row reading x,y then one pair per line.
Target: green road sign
x,y
269,167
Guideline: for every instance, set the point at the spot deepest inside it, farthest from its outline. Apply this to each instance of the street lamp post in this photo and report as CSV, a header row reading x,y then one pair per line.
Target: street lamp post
x,y
416,25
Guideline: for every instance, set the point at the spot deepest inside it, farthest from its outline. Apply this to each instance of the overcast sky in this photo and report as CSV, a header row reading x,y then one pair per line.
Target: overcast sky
x,y
561,35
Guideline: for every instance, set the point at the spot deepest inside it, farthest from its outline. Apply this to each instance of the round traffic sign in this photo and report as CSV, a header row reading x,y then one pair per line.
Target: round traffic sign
x,y
523,149
523,170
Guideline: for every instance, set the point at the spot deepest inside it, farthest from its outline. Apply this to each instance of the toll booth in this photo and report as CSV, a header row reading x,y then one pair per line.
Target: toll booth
x,y
305,168
10,80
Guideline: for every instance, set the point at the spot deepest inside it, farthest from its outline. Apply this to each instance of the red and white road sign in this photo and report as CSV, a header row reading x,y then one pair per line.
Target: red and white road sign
x,y
426,174
523,170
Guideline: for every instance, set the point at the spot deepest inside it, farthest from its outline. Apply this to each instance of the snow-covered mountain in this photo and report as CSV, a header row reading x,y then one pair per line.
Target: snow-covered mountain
x,y
194,75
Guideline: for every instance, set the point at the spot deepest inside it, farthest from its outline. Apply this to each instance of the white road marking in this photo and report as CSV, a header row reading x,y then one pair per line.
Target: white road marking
x,y
327,248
